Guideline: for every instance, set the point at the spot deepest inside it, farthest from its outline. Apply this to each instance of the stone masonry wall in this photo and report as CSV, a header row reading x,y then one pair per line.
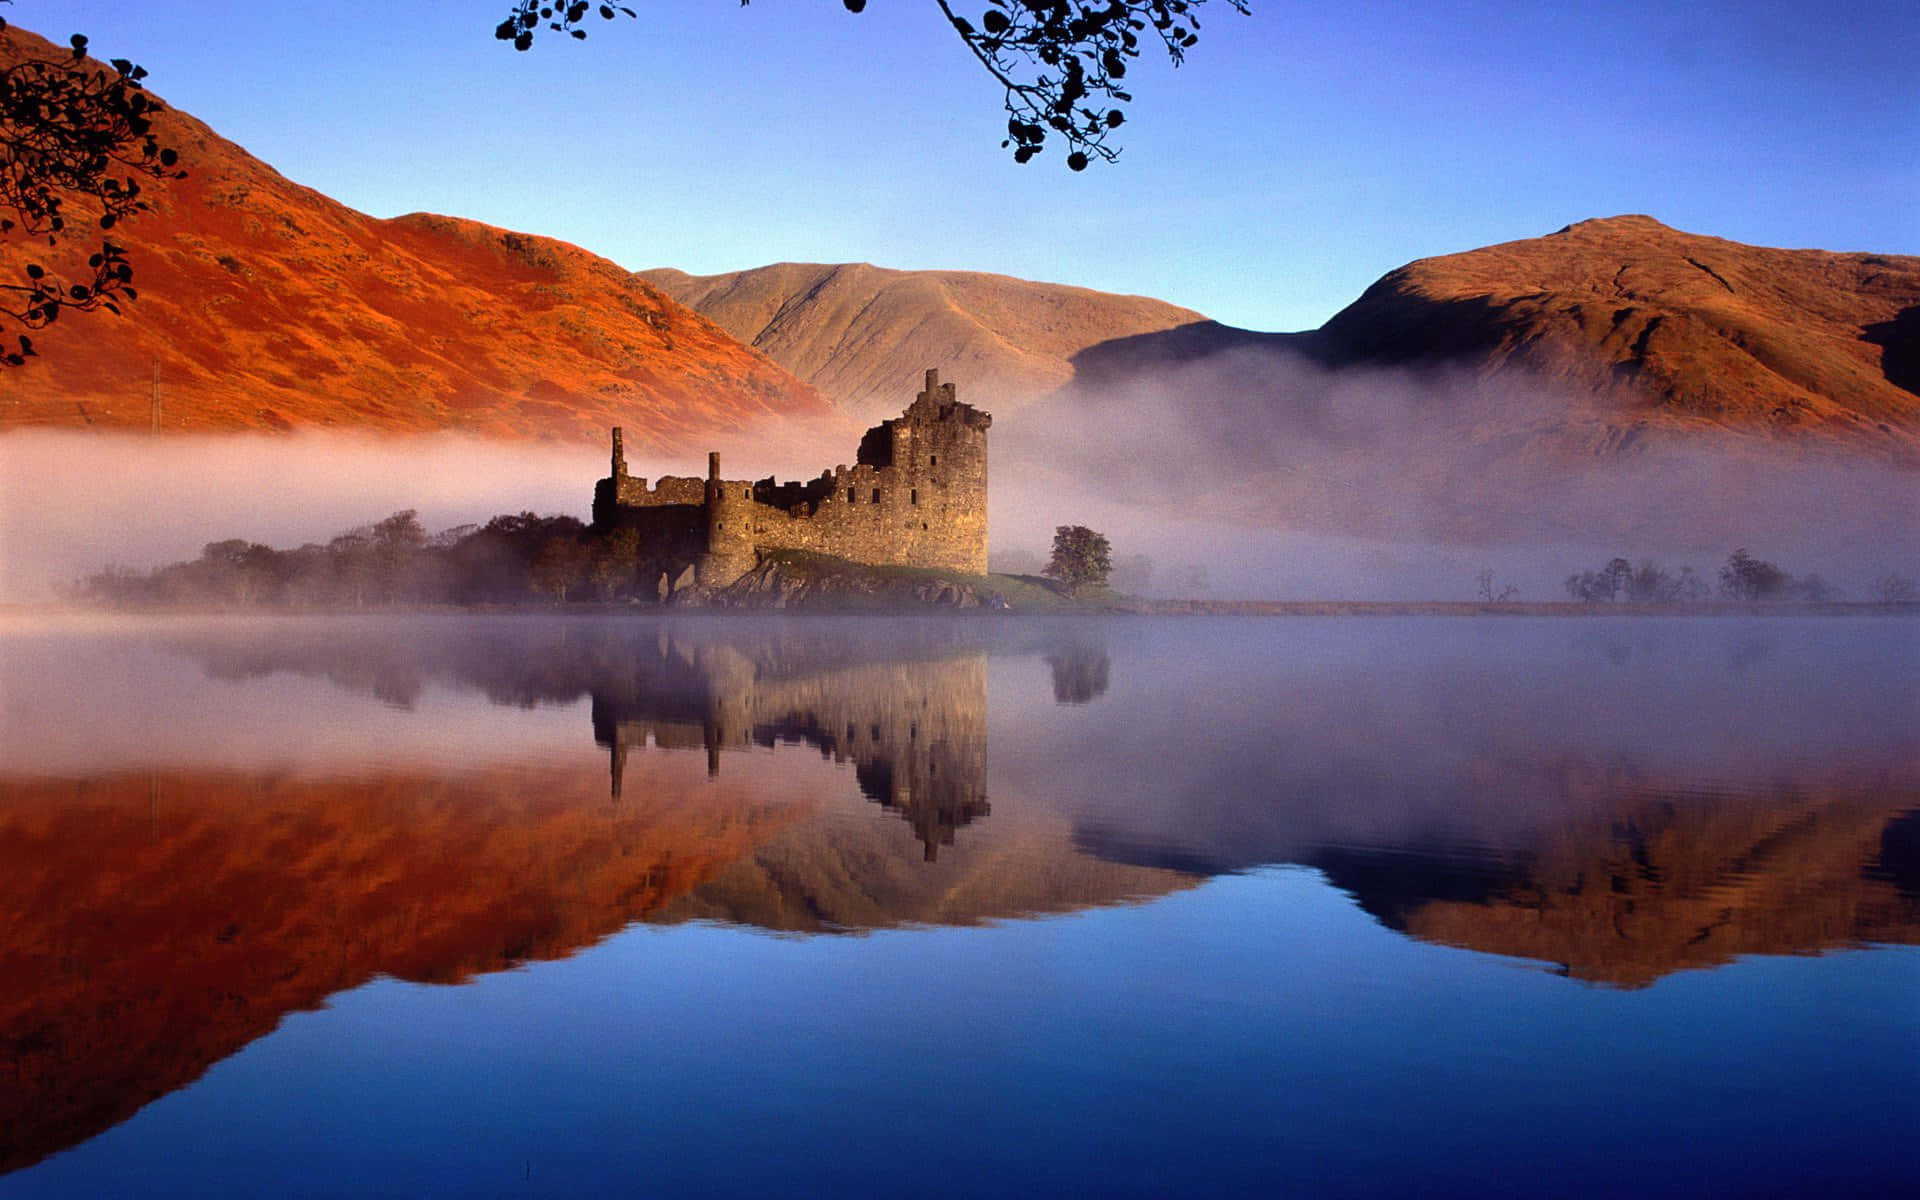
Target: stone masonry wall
x,y
919,499
915,496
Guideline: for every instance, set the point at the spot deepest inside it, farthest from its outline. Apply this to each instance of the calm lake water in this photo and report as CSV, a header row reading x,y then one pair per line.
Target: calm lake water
x,y
516,906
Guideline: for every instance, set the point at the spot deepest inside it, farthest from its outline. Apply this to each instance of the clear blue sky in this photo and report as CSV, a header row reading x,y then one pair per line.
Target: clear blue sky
x,y
1300,153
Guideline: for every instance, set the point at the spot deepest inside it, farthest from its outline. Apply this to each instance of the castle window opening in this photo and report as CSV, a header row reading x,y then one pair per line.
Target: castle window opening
x,y
933,460
913,497
876,495
746,494
852,498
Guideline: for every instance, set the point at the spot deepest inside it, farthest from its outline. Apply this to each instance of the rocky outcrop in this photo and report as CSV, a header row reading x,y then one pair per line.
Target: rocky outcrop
x,y
804,581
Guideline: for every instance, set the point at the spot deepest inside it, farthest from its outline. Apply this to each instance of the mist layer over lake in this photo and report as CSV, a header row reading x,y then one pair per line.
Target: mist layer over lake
x,y
705,906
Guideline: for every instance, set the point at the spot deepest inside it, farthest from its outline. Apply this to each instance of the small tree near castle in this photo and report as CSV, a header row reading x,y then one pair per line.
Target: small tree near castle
x,y
1081,558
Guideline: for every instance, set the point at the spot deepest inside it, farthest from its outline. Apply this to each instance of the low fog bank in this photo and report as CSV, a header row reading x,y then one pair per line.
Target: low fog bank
x,y
1251,473
1196,559
73,503
1289,479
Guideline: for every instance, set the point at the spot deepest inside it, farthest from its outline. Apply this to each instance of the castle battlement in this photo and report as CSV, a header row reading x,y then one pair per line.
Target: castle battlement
x,y
915,495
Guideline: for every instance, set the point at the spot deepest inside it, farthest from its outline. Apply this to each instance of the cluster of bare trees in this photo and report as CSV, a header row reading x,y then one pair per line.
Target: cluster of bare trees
x,y
515,559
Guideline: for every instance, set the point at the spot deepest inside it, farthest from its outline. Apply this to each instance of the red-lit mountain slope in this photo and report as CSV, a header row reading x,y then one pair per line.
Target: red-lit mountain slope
x,y
1615,383
1668,329
268,306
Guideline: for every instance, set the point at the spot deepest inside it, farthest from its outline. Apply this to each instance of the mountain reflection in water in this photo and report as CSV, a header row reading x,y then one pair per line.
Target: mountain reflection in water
x,y
197,836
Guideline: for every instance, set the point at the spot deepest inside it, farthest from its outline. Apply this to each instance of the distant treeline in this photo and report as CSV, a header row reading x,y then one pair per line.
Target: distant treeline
x,y
1743,579
509,560
528,559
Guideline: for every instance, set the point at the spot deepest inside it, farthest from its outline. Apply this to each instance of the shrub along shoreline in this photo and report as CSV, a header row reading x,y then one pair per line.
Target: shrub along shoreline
x,y
526,562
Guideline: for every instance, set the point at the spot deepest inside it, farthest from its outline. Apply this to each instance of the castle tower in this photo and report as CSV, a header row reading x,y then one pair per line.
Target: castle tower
x,y
940,450
729,512
936,392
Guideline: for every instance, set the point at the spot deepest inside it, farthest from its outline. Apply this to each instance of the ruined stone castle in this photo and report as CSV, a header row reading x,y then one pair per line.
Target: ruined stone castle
x,y
916,496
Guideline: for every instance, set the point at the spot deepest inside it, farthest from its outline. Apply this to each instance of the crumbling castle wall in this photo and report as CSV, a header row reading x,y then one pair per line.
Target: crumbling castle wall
x,y
623,491
916,495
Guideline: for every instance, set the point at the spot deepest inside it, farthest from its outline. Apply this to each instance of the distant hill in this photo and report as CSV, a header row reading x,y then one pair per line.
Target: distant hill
x,y
269,306
1617,330
1672,329
1616,383
857,331
1647,329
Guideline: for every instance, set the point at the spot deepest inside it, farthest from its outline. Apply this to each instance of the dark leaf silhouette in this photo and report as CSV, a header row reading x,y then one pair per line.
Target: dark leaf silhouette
x,y
1047,55
73,137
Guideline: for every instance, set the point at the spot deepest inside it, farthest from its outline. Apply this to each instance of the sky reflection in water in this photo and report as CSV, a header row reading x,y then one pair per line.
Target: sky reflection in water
x,y
1233,827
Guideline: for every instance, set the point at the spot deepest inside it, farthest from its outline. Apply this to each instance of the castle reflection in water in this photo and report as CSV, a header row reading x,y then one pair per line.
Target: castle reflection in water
x,y
915,731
